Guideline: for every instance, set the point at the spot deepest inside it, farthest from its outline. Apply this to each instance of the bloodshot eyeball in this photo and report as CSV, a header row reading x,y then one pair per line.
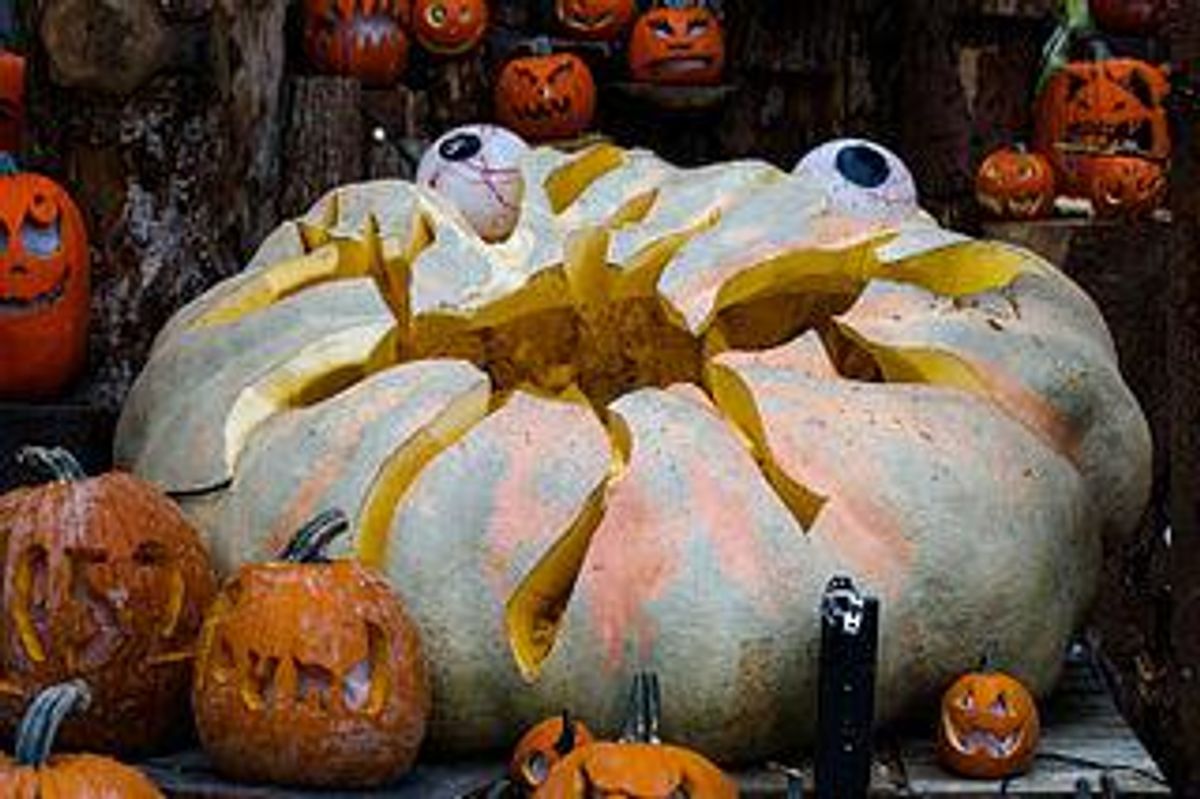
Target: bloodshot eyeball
x,y
862,179
476,167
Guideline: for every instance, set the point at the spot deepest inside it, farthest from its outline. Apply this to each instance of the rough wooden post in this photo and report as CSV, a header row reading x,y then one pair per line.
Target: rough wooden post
x,y
324,140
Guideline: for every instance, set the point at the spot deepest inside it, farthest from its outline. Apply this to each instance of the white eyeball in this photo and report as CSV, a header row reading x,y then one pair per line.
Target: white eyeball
x,y
861,179
477,168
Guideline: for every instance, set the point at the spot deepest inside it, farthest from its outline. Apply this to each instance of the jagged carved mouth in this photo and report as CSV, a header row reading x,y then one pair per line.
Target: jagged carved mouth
x,y
10,305
681,65
374,31
1131,136
976,741
552,108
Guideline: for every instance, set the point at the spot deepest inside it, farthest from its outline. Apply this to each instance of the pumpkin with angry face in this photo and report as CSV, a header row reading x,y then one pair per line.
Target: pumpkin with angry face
x,y
12,100
450,27
683,46
595,19
546,96
358,38
989,726
44,285
1015,185
1123,185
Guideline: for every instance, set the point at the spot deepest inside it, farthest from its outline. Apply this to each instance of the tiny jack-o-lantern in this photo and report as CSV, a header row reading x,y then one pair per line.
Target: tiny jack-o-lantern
x,y
1014,184
546,96
638,766
861,179
988,726
34,771
543,747
595,19
1122,185
1132,17
363,39
677,46
450,27
477,168
12,100
106,581
309,671
44,285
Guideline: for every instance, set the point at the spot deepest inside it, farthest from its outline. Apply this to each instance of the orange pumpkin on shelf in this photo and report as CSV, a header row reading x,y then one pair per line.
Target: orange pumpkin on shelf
x,y
546,96
1124,185
309,671
988,727
35,772
544,746
12,100
595,19
450,27
1131,17
45,285
363,39
105,580
677,46
1013,184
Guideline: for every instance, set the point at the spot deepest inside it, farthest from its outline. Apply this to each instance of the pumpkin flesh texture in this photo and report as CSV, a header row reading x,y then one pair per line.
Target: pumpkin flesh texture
x,y
667,471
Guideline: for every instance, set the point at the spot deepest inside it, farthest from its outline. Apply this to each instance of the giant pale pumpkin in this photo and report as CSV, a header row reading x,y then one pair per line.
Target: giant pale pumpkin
x,y
644,430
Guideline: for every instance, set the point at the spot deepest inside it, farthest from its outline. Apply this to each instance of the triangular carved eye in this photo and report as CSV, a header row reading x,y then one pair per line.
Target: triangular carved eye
x,y
662,29
1000,705
967,701
41,239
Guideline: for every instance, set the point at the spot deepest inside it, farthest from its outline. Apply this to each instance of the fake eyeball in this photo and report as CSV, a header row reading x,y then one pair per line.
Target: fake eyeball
x,y
477,168
861,179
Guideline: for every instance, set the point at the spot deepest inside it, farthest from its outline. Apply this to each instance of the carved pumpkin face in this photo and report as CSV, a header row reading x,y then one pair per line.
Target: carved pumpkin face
x,y
543,747
44,286
546,97
450,27
989,726
1132,17
677,46
1098,108
357,38
595,19
1015,185
12,100
103,578
310,673
1125,185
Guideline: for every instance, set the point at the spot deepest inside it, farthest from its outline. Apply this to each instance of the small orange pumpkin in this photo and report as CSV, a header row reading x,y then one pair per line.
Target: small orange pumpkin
x,y
1121,185
450,27
12,100
546,96
310,672
45,287
989,726
363,39
678,46
34,772
1013,184
544,746
595,19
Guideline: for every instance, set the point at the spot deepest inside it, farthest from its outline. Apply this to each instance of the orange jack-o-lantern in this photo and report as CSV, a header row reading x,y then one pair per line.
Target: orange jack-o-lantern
x,y
104,579
545,97
363,39
1012,184
595,19
1090,108
682,46
1133,17
988,727
1120,185
450,27
12,100
543,747
310,672
45,285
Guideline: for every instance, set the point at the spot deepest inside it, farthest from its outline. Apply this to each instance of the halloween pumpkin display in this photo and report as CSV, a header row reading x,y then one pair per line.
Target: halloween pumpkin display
x,y
44,285
639,766
988,727
34,772
1122,185
642,432
546,96
1106,107
1013,184
309,672
105,580
595,19
364,39
677,46
861,179
543,746
12,100
1132,17
449,27
476,168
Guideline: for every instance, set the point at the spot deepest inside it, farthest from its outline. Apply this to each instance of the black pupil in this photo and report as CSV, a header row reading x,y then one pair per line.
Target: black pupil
x,y
460,147
863,166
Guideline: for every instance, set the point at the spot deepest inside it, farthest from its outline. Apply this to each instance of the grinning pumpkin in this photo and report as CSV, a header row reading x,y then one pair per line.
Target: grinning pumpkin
x,y
988,727
12,100
34,772
546,96
1013,184
450,27
1124,185
357,38
44,285
643,431
1103,107
310,672
1133,17
103,579
595,19
677,46
543,746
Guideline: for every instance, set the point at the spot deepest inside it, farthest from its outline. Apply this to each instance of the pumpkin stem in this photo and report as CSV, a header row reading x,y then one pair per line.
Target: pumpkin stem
x,y
54,462
39,726
313,539
566,741
645,706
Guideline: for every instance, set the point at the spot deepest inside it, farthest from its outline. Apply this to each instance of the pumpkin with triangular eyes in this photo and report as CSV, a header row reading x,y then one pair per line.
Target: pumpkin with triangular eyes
x,y
449,27
595,19
989,727
677,46
546,96
12,100
44,286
